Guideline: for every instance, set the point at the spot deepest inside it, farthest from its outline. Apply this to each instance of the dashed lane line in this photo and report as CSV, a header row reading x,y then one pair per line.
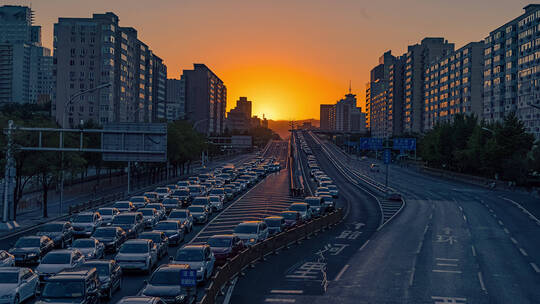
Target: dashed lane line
x,y
341,272
284,291
513,240
533,265
481,280
523,252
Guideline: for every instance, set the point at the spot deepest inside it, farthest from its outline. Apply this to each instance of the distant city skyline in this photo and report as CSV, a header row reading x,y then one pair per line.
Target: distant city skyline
x,y
289,58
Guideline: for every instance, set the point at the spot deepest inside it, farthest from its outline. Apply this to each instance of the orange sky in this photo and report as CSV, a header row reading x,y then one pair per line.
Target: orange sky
x,y
287,56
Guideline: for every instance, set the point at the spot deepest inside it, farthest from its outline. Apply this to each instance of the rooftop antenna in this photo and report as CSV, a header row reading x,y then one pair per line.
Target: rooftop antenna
x,y
349,87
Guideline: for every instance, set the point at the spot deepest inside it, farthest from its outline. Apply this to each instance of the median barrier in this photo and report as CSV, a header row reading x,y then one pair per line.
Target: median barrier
x,y
234,266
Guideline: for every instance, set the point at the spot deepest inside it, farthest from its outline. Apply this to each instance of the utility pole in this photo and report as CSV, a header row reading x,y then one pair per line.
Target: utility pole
x,y
8,171
387,157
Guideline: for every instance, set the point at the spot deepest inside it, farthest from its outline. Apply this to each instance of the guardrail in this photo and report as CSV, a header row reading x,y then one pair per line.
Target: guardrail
x,y
234,267
296,188
95,203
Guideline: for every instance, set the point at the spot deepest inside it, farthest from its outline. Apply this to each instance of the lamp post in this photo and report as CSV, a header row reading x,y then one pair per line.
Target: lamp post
x,y
66,105
203,162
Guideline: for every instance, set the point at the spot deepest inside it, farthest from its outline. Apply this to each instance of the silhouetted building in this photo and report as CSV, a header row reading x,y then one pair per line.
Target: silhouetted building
x,y
343,116
327,117
159,89
206,99
175,104
238,118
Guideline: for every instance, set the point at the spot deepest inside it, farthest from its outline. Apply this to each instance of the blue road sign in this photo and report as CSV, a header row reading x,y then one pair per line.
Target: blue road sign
x,y
188,277
368,143
405,144
387,156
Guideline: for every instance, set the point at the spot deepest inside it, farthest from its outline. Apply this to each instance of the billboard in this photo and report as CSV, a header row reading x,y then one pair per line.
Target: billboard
x,y
140,142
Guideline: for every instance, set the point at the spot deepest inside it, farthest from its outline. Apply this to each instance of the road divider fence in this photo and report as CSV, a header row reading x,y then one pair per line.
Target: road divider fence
x,y
235,266
92,204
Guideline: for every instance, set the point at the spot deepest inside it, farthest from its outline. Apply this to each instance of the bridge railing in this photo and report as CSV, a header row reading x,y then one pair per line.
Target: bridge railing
x,y
296,187
235,266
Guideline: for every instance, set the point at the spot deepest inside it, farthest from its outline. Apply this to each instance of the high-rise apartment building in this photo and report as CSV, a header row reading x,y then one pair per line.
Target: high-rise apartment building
x,y
89,52
206,99
417,58
512,70
327,115
25,65
344,116
238,118
368,105
454,84
175,101
159,92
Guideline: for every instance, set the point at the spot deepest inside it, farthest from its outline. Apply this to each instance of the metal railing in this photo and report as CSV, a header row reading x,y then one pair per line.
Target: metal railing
x,y
92,204
235,266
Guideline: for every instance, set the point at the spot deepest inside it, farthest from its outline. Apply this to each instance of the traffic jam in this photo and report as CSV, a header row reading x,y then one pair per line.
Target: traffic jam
x,y
85,259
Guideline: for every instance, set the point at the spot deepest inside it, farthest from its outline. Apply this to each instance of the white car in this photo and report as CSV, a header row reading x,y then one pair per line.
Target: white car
x,y
6,259
138,254
150,217
58,260
107,215
333,190
199,257
251,232
17,284
302,208
91,248
216,202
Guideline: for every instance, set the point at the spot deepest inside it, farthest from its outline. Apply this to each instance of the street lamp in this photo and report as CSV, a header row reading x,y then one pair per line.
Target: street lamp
x,y
66,105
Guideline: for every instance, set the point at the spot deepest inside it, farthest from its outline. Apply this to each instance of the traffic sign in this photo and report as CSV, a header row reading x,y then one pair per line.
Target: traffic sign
x,y
387,156
142,142
369,143
188,277
405,144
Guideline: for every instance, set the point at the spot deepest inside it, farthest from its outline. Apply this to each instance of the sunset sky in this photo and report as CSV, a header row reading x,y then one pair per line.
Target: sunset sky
x,y
287,56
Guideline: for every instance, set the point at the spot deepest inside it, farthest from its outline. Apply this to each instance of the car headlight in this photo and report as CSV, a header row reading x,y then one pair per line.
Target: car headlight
x,y
252,240
201,269
179,298
32,255
89,255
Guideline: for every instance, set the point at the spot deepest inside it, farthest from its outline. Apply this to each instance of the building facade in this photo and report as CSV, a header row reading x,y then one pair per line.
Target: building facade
x,y
454,84
206,99
26,74
159,89
175,101
238,118
327,117
344,116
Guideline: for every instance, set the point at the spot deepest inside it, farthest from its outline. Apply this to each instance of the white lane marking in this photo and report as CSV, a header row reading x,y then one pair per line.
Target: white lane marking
x,y
460,209
481,280
411,278
446,264
419,247
491,210
464,218
274,300
431,216
446,271
426,229
523,252
506,231
513,240
286,291
365,244
473,251
501,223
522,209
230,291
292,276
341,272
444,259
533,265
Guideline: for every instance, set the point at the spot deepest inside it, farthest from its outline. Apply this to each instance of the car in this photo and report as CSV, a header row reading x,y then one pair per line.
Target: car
x,y
183,184
139,201
202,201
230,192
162,212
107,215
91,248
165,284
184,216
171,203
321,190
173,229
374,168
109,274
58,260
17,284
80,285
140,300
138,254
85,223
216,202
204,176
303,209
163,192
60,232
196,190
394,196
172,187
31,249
182,195
6,259
124,206
276,224
111,237
150,217
160,239
152,196
199,257
131,222
219,192
225,246
328,201
194,180
316,205
251,232
200,214
333,189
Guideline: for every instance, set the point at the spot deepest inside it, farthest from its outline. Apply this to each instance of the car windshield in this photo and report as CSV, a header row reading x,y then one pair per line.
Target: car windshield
x,y
217,191
151,236
332,187
84,243
9,277
24,242
178,214
273,222
105,211
119,219
57,258
155,206
200,201
161,190
313,202
219,242
134,248
181,192
196,209
298,208
105,233
84,218
170,202
52,228
137,199
245,229
215,199
165,278
289,215
189,255
122,205
166,226
63,289
194,188
102,268
147,212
